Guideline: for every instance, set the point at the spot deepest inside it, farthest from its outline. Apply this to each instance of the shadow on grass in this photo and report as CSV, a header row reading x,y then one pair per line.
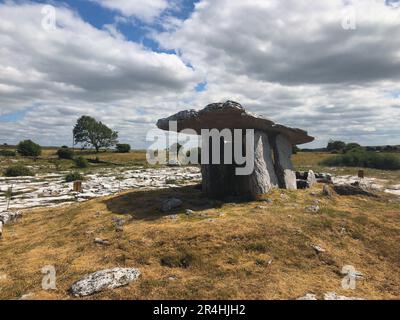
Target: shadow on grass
x,y
145,205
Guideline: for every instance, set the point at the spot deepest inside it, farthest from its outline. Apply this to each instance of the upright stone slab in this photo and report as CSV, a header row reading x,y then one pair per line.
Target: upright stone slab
x,y
283,150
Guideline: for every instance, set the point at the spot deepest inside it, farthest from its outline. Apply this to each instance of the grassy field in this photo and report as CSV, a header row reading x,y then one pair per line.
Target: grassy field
x,y
254,250
49,162
222,251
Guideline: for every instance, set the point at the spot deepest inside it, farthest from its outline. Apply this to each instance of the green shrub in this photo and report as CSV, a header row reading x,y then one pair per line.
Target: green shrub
x,y
73,176
352,147
364,159
18,171
65,153
123,148
81,162
7,153
28,148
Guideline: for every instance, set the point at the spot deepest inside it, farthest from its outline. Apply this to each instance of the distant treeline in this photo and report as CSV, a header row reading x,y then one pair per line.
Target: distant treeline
x,y
386,148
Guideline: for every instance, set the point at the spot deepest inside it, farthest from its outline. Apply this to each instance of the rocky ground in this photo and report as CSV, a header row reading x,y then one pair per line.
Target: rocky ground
x,y
49,190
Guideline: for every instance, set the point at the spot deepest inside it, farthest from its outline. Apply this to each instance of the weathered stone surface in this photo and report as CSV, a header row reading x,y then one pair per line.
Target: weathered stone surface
x,y
9,217
335,296
231,115
283,164
308,296
171,204
105,279
290,180
103,242
311,180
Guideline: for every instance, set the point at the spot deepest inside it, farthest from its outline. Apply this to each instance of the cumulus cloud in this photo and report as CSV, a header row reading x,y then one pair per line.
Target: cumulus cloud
x,y
77,69
289,60
295,62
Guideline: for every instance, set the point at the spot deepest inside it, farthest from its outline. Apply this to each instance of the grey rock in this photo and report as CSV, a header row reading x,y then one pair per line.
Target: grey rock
x,y
261,207
335,296
308,296
189,212
27,296
103,242
230,115
104,279
311,180
318,249
171,204
9,217
118,222
313,208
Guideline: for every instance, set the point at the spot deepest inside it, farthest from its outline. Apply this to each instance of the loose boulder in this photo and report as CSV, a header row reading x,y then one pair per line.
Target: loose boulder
x,y
105,279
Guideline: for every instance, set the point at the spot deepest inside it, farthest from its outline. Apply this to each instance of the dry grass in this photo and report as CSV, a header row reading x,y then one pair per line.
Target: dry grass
x,y
223,258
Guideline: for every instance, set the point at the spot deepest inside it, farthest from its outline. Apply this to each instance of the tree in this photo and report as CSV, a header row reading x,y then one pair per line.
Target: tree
x,y
352,147
28,148
335,145
90,132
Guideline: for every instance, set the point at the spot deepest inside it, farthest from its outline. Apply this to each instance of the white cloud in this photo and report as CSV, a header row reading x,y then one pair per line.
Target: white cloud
x,y
289,60
292,61
146,10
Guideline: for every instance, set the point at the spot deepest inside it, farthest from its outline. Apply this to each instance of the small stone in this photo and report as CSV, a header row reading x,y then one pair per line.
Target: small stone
x,y
118,221
308,296
335,296
261,207
313,209
171,204
268,200
189,212
103,242
27,296
318,249
104,279
172,217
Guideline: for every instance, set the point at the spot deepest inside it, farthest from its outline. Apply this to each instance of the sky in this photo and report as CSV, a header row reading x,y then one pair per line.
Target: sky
x,y
329,67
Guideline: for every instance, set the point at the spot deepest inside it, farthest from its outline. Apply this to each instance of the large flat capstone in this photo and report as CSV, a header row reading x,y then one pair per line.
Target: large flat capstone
x,y
231,115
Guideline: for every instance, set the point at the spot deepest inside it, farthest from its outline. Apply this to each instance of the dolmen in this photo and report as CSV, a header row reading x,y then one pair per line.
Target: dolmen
x,y
271,150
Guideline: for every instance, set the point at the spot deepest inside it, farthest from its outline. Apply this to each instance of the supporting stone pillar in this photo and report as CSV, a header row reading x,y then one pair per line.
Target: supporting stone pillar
x,y
283,150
